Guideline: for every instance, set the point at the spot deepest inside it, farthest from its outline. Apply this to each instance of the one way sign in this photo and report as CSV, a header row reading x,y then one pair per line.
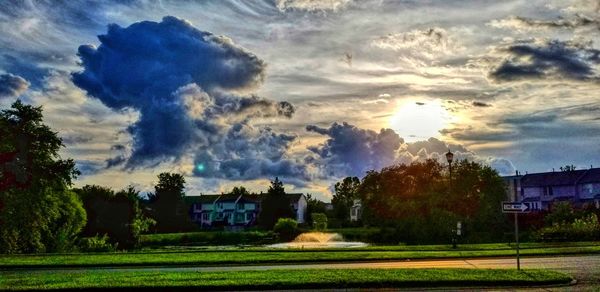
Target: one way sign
x,y
515,207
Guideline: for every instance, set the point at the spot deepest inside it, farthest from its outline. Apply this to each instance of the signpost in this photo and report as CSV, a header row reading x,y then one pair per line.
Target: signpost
x,y
516,208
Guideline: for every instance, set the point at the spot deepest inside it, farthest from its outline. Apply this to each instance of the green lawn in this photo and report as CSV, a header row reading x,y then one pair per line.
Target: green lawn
x,y
282,279
242,257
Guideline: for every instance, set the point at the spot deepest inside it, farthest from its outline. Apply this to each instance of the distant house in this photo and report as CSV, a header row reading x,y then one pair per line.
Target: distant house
x,y
541,190
356,210
235,210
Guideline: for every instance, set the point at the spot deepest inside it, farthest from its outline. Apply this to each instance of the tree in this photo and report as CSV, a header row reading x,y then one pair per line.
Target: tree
x,y
274,205
168,208
319,221
117,215
313,205
346,192
37,211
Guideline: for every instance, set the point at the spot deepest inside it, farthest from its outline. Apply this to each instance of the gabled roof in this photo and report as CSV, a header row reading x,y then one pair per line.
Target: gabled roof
x,y
559,178
228,198
591,176
294,197
200,199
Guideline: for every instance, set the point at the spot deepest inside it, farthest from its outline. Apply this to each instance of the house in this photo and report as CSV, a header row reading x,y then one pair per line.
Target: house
x,y
236,210
541,190
356,210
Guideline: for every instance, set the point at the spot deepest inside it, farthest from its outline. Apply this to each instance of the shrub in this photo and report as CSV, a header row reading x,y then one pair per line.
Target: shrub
x,y
583,229
96,244
287,228
319,221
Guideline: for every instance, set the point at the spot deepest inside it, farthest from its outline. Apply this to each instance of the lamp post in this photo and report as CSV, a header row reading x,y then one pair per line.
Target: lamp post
x,y
449,158
455,233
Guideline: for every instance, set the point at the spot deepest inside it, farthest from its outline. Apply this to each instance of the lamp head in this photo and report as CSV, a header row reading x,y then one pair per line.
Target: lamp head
x,y
449,156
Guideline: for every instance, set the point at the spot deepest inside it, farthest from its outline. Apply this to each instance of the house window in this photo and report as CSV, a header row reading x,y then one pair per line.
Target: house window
x,y
550,192
249,216
205,216
240,206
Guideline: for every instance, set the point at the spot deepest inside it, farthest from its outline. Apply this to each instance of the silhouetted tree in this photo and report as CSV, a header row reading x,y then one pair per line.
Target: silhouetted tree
x,y
346,192
168,208
37,211
274,205
313,205
117,215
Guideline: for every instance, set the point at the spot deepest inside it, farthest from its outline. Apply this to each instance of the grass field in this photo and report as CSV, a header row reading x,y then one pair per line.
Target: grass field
x,y
281,279
268,256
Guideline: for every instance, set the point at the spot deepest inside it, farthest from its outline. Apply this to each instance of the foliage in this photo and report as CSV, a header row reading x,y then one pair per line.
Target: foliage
x,y
168,208
37,211
346,192
117,215
274,205
287,228
585,228
417,203
313,205
319,221
207,238
96,244
561,213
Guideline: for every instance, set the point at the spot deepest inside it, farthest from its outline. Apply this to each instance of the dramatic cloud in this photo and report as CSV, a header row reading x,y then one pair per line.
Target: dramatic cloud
x,y
551,60
311,5
12,85
186,85
350,150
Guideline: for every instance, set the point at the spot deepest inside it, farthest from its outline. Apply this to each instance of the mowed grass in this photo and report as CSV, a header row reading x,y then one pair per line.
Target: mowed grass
x,y
241,257
281,279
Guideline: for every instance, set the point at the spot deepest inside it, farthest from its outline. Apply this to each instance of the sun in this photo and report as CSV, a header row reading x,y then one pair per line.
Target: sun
x,y
419,119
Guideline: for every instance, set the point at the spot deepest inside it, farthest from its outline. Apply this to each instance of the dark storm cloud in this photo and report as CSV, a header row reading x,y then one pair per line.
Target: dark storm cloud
x,y
12,85
554,59
182,82
350,150
246,152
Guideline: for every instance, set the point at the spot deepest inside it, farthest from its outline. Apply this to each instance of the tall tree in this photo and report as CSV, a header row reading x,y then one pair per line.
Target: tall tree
x,y
169,209
37,211
274,205
346,192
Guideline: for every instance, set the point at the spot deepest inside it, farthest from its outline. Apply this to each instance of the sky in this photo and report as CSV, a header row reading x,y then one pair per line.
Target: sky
x,y
238,92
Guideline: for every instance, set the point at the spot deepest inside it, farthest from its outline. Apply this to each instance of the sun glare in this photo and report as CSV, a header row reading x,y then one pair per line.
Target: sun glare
x,y
419,119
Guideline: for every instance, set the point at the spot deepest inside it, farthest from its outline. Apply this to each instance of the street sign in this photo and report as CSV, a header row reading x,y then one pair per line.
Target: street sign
x,y
515,207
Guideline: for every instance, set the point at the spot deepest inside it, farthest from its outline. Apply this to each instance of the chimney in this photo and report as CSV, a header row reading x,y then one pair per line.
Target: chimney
x,y
553,169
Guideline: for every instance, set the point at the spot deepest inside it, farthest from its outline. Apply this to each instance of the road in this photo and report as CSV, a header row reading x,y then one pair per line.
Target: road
x,y
586,269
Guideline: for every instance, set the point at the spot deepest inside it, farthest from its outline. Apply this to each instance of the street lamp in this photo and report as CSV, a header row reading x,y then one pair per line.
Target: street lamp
x,y
449,158
457,231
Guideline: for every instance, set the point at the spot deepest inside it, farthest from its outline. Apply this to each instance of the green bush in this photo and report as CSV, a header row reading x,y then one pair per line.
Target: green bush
x,y
287,228
96,244
583,229
319,221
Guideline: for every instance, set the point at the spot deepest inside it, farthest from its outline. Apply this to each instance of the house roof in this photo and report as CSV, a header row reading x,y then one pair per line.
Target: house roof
x,y
591,176
561,178
200,199
228,198
292,197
